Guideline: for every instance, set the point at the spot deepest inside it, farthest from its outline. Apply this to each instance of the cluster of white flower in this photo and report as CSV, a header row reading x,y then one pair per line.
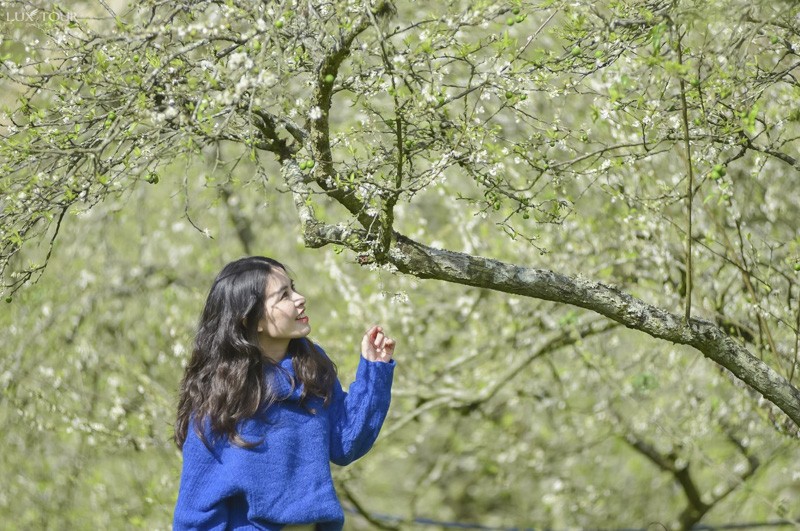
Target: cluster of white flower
x,y
400,297
240,60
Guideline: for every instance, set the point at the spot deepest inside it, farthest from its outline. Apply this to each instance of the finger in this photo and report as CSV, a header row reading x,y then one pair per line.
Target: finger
x,y
378,341
389,348
369,334
366,344
373,332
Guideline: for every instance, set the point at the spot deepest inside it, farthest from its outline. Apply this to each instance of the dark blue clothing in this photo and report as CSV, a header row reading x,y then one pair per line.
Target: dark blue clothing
x,y
286,479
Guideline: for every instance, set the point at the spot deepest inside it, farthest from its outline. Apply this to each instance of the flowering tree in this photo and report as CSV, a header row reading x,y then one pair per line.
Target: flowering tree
x,y
602,155
537,118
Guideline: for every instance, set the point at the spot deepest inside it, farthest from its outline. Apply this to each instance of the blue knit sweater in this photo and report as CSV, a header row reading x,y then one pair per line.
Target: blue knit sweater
x,y
286,479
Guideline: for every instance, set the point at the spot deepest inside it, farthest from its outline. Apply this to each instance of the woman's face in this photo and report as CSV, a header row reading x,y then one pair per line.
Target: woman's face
x,y
284,314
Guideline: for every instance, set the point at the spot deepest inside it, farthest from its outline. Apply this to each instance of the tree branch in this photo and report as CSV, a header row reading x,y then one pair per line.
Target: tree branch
x,y
425,262
319,128
359,507
690,185
696,508
315,233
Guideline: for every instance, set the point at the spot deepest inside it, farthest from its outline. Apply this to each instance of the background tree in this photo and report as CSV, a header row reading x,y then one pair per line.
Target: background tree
x,y
539,134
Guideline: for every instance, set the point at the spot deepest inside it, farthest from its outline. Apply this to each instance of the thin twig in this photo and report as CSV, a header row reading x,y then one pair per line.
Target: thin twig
x,y
689,189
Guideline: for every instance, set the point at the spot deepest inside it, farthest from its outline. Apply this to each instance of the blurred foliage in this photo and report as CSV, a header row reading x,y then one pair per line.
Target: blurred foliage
x,y
507,411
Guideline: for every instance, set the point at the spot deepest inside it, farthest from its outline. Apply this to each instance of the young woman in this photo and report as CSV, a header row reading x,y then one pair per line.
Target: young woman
x,y
261,412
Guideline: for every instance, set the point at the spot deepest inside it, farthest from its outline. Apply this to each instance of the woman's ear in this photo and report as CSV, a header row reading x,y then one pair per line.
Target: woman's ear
x,y
244,324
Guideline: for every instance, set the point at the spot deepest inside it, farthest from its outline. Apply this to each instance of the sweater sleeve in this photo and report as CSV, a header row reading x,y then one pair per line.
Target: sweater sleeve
x,y
202,503
358,414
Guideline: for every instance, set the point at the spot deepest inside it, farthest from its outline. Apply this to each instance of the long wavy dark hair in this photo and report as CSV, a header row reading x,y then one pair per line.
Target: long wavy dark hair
x,y
224,382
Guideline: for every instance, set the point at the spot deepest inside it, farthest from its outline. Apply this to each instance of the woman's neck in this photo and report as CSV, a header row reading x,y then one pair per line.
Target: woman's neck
x,y
274,350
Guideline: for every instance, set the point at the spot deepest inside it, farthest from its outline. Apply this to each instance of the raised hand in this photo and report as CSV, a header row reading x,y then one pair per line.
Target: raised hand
x,y
375,346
